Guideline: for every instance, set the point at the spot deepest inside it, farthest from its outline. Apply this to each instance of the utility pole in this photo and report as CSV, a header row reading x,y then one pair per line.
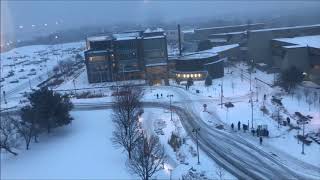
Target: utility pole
x,y
4,97
170,96
257,89
251,110
30,84
221,88
196,131
170,171
303,123
74,86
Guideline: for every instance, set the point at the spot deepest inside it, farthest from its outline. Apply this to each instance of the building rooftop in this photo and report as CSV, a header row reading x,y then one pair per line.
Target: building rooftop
x,y
284,28
219,49
148,30
99,38
126,36
197,55
221,27
311,41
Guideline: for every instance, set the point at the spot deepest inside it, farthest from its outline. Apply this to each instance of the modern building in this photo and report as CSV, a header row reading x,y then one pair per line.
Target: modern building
x,y
302,52
129,55
204,33
198,65
259,41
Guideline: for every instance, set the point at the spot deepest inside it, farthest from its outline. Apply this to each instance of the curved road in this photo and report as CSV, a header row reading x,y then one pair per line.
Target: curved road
x,y
241,158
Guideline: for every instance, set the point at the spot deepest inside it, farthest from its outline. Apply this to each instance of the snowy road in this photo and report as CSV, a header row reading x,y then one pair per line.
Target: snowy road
x,y
241,158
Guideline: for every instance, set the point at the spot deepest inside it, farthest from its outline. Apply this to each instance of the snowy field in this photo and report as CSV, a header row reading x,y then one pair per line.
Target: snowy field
x,y
82,150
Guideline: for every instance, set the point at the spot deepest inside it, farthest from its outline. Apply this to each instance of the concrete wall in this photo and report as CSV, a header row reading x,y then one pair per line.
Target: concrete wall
x,y
297,57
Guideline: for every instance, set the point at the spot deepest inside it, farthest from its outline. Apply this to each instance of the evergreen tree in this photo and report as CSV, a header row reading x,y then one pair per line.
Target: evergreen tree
x,y
50,109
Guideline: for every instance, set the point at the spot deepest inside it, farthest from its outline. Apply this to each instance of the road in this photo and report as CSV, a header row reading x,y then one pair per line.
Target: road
x,y
239,157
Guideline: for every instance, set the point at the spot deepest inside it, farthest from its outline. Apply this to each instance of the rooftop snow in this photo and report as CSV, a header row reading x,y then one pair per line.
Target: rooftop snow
x,y
311,41
220,60
219,49
284,28
98,38
148,30
221,27
230,33
197,55
217,40
156,64
125,36
154,37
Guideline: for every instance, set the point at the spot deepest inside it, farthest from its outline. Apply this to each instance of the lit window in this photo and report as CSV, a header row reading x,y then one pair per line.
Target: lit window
x,y
196,75
178,75
192,75
188,76
199,75
184,76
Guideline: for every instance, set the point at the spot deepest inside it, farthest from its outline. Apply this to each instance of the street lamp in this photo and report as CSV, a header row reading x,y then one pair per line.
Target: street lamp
x,y
196,131
221,87
305,75
303,123
170,96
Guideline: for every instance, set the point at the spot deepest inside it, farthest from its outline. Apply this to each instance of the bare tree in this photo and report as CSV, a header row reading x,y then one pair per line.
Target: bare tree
x,y
126,110
220,172
147,158
306,92
299,96
8,138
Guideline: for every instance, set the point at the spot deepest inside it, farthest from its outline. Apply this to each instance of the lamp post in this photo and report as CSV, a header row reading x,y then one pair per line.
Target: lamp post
x,y
221,88
74,86
303,123
251,102
196,131
170,172
170,96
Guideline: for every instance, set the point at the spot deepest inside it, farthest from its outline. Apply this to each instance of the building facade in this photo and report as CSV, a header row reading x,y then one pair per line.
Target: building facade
x,y
126,56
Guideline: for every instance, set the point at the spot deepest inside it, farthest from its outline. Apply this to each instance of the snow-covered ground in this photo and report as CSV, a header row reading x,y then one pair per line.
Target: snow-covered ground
x,y
24,68
81,150
158,122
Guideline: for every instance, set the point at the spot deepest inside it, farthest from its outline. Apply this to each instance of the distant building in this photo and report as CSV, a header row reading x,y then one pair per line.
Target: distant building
x,y
130,55
302,52
198,65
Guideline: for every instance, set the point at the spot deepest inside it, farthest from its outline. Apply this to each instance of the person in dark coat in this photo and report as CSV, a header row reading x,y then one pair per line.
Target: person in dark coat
x,y
260,140
232,126
288,120
157,96
239,125
253,131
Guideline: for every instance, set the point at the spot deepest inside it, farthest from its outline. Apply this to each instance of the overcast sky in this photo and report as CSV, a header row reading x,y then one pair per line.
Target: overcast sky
x,y
65,14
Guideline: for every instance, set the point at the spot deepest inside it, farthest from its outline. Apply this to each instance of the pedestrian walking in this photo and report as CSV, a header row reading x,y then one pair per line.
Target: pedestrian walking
x,y
232,126
239,125
260,140
161,95
157,96
253,131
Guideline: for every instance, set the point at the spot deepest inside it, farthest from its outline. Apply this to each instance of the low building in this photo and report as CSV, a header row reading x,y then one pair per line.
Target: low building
x,y
302,52
198,65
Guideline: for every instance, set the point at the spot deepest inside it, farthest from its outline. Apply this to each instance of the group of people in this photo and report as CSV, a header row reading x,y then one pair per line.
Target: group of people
x,y
158,95
259,132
